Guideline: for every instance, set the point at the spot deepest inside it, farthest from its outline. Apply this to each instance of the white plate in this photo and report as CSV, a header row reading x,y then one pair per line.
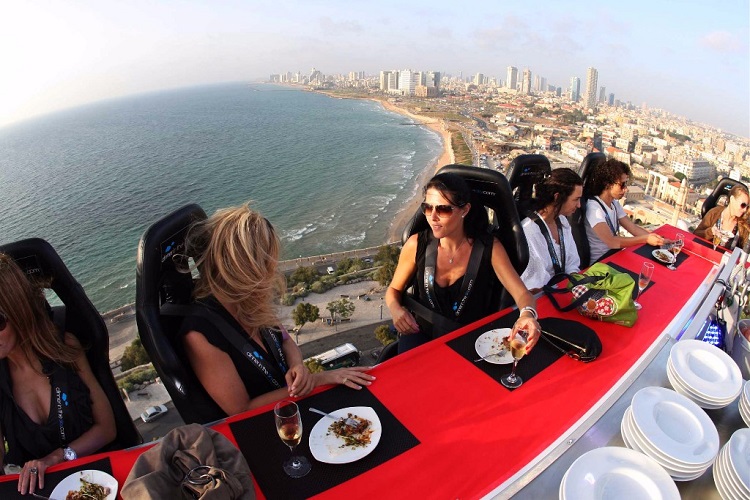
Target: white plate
x,y
745,413
729,475
659,252
616,473
739,455
675,425
746,392
73,483
706,369
673,467
492,341
686,391
326,447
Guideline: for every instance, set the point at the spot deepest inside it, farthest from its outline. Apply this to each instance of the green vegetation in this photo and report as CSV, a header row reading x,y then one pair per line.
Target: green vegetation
x,y
385,335
342,307
461,149
136,378
303,276
135,355
573,117
387,258
305,313
679,176
679,137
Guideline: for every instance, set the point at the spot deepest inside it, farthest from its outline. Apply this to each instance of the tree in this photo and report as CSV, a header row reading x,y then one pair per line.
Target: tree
x,y
679,176
303,275
385,273
385,334
135,355
305,313
342,307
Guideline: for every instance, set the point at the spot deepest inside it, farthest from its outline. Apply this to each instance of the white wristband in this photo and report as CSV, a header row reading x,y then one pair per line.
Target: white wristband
x,y
530,310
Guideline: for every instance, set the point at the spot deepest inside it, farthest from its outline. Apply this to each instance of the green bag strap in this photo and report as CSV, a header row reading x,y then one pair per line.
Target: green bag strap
x,y
550,289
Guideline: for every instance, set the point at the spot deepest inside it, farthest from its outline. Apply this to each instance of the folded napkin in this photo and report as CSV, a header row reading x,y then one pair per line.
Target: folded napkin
x,y
190,462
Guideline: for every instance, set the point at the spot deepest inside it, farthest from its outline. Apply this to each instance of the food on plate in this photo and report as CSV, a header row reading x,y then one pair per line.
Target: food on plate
x,y
663,255
88,491
355,436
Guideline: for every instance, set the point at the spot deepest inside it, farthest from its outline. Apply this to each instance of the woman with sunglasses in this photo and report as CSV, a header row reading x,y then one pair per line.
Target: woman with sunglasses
x,y
728,222
236,251
552,249
51,406
455,268
605,216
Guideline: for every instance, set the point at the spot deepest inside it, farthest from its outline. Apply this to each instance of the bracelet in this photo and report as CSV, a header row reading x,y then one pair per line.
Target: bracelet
x,y
531,310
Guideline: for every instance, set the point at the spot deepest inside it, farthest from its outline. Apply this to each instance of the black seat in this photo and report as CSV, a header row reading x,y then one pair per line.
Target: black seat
x,y
78,316
720,194
524,172
578,218
162,295
491,189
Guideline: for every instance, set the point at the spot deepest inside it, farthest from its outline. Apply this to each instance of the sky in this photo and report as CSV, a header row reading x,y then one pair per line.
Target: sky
x,y
691,58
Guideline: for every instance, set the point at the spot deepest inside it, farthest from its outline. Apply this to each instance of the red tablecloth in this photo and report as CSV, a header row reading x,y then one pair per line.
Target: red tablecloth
x,y
474,433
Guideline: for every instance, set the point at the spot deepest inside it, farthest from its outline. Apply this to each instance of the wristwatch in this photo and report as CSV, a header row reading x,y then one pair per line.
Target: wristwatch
x,y
69,454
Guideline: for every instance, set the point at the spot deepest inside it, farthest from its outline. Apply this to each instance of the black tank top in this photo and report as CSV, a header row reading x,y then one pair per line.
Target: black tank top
x,y
484,298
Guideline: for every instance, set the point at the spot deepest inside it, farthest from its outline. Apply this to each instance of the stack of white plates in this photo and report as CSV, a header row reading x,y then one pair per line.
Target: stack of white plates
x,y
745,404
732,467
671,429
616,473
704,373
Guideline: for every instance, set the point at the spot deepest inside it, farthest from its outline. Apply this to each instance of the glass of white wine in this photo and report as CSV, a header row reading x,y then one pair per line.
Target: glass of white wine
x,y
676,248
517,350
289,428
647,271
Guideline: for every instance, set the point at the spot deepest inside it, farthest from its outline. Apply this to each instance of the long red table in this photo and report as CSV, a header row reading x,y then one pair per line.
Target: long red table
x,y
475,436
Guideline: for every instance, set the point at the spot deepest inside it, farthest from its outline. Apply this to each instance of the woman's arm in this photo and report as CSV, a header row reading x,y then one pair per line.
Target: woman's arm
x,y
604,233
216,372
298,378
632,227
522,297
102,432
402,276
705,228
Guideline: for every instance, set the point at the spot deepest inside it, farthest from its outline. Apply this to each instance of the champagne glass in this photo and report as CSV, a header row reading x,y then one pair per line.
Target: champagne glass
x,y
647,271
716,237
517,350
289,428
675,249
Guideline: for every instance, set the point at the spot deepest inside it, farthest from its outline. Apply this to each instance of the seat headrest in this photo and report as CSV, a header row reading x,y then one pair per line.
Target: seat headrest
x,y
524,172
590,161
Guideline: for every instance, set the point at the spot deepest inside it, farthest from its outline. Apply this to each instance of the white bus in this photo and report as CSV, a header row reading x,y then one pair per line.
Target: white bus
x,y
340,356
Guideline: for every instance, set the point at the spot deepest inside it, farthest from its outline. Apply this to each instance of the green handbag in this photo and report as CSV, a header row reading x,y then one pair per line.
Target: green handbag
x,y
600,293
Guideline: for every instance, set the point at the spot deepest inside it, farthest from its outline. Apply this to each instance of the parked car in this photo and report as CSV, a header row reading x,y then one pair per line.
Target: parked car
x,y
153,412
330,270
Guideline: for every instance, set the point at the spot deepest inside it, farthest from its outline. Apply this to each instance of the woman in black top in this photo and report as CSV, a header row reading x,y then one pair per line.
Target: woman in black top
x,y
456,229
237,253
51,406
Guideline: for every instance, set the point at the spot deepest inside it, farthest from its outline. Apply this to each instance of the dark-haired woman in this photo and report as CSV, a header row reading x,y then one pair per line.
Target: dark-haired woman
x,y
437,263
552,249
52,408
604,216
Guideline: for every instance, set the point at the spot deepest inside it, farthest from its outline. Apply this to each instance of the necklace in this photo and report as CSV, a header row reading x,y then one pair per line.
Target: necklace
x,y
450,261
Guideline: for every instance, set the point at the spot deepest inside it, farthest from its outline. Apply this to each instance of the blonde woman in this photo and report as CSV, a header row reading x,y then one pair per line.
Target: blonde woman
x,y
728,223
236,252
52,408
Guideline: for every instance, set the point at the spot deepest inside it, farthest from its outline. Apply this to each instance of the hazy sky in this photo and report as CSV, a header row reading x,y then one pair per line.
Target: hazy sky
x,y
689,57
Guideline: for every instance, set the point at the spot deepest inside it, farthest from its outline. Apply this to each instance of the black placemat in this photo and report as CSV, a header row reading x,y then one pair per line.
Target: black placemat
x,y
9,489
647,252
540,358
633,275
705,243
264,451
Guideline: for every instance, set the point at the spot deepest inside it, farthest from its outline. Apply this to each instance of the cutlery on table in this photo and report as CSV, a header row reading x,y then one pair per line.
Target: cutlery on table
x,y
498,353
349,421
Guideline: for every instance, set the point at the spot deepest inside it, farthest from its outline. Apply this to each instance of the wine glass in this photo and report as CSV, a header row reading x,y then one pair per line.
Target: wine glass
x,y
647,270
675,248
517,350
716,237
289,428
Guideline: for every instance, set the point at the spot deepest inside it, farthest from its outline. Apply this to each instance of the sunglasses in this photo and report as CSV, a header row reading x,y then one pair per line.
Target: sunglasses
x,y
442,210
743,205
623,185
3,321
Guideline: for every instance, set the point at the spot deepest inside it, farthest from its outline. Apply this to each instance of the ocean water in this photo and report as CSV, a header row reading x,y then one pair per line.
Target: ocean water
x,y
330,174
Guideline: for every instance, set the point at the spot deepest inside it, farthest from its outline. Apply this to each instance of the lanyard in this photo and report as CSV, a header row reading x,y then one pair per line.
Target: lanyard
x,y
60,388
612,227
469,279
731,242
557,264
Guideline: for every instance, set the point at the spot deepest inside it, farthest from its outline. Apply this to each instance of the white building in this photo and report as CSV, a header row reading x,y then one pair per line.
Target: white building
x,y
511,79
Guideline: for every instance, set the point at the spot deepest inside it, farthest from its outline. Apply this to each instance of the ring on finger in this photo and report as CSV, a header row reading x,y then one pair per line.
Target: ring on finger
x,y
345,380
34,470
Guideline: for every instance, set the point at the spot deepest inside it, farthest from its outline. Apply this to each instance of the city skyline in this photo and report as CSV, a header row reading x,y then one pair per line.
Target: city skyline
x,y
691,59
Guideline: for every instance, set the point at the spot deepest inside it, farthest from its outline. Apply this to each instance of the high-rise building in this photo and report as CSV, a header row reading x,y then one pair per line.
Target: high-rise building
x,y
384,75
526,82
479,79
433,79
407,81
511,79
592,80
603,95
393,81
575,88
611,100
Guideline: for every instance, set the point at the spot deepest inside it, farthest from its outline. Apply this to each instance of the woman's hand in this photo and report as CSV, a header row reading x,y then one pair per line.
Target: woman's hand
x,y
299,380
654,240
354,378
533,331
404,321
31,477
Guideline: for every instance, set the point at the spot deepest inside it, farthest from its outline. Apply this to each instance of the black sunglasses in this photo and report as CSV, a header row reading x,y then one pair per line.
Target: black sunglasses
x,y
442,210
3,321
623,185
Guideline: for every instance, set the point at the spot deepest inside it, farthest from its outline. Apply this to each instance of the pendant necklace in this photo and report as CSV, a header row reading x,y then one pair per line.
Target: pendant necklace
x,y
450,261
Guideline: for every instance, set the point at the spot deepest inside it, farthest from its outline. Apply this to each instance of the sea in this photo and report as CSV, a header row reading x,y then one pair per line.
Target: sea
x,y
330,174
